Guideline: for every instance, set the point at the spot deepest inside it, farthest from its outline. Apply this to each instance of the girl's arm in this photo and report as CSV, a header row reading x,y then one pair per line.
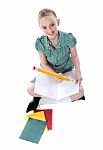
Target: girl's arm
x,y
46,65
45,62
76,62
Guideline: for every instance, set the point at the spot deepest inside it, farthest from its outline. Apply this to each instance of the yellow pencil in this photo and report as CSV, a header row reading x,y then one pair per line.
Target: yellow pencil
x,y
56,75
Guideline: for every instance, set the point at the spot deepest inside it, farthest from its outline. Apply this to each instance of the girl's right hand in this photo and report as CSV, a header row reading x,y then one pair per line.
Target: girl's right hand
x,y
59,80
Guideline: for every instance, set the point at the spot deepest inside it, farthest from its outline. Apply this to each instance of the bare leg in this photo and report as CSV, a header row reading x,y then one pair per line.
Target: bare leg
x,y
78,95
30,90
36,98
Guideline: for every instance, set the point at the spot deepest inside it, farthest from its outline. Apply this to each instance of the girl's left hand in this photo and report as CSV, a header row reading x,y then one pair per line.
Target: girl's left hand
x,y
78,77
59,80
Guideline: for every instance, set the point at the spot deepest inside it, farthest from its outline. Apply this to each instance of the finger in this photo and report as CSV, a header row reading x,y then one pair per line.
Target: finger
x,y
58,80
76,80
81,79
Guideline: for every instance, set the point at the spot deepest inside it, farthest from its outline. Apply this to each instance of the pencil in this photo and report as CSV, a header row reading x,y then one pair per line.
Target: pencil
x,y
56,75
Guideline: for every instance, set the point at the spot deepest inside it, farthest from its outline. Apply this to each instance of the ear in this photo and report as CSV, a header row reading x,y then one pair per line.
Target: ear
x,y
58,22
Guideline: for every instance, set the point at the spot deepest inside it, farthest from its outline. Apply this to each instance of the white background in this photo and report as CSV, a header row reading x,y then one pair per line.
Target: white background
x,y
18,31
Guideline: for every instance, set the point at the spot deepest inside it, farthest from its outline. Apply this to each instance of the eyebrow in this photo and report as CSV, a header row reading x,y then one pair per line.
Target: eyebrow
x,y
43,26
50,24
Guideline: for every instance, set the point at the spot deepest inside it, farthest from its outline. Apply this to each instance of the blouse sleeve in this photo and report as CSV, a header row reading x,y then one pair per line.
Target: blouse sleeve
x,y
72,40
39,45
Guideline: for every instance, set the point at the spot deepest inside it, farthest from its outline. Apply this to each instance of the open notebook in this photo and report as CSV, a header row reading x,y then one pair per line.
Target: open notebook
x,y
48,86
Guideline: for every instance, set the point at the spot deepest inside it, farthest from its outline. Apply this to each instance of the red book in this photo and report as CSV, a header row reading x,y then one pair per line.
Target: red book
x,y
48,117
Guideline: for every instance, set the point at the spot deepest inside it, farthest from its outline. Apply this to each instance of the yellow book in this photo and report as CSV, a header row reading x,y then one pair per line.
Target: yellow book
x,y
37,115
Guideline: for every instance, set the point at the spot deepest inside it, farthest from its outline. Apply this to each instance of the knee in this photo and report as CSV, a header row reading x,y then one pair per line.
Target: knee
x,y
81,90
30,88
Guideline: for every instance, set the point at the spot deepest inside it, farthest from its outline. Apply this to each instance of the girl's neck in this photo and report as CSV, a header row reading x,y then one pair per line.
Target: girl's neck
x,y
54,41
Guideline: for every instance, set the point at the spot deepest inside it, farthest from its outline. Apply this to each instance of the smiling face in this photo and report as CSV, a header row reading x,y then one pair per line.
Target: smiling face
x,y
48,24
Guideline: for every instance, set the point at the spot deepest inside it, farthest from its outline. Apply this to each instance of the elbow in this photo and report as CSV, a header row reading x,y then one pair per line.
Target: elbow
x,y
45,65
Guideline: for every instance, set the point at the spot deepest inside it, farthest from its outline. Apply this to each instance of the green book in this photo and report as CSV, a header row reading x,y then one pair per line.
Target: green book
x,y
33,130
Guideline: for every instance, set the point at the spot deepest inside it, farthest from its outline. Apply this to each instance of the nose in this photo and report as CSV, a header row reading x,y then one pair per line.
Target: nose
x,y
50,31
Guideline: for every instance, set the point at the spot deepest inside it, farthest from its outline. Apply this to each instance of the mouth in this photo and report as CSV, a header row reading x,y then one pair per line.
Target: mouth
x,y
51,34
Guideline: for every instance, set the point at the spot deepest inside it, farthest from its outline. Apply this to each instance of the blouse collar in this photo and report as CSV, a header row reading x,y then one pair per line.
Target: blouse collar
x,y
48,42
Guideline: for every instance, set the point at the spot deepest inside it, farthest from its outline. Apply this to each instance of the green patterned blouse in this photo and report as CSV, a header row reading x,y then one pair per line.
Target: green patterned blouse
x,y
59,58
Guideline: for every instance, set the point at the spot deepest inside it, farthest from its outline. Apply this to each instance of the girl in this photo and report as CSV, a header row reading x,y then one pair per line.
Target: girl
x,y
57,52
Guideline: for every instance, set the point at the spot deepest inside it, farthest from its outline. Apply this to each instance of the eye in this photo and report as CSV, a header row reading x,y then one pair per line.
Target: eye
x,y
43,27
52,25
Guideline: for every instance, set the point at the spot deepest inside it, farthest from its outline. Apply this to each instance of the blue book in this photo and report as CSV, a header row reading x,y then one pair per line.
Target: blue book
x,y
33,130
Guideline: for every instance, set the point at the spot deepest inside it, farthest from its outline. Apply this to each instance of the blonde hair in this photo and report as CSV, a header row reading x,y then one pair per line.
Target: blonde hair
x,y
46,12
